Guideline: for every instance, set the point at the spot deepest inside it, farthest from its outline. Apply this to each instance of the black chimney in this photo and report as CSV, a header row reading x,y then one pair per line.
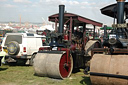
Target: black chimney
x,y
120,16
55,37
120,11
61,18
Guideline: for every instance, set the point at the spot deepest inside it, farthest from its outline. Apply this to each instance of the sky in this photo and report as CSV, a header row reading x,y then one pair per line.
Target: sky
x,y
38,10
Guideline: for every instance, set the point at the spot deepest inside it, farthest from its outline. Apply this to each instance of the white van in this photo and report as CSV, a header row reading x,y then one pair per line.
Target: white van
x,y
21,46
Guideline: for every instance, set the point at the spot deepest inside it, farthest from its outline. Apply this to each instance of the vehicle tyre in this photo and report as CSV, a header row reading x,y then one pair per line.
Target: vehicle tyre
x,y
13,48
31,60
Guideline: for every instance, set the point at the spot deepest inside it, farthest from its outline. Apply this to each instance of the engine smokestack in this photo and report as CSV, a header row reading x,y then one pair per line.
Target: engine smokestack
x,y
120,11
61,18
120,16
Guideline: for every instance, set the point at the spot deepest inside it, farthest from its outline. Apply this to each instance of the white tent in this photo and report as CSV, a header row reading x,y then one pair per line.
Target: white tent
x,y
48,27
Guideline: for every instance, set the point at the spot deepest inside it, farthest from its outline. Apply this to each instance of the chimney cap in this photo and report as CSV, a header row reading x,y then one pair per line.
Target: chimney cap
x,y
121,0
62,5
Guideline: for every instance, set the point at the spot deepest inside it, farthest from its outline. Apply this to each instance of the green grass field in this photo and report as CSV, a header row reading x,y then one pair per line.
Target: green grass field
x,y
24,75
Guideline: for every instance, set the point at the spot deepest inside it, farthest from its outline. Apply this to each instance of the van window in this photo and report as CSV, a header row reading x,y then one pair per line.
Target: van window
x,y
17,38
28,34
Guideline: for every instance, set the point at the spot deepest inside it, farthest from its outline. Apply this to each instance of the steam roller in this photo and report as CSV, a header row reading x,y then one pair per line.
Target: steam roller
x,y
109,65
56,61
67,49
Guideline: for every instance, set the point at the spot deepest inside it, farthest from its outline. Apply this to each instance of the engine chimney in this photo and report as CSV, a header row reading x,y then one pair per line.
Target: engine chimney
x,y
120,11
55,37
61,18
120,16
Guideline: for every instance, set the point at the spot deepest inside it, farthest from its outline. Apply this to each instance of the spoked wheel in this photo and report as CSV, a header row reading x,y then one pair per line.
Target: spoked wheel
x,y
65,67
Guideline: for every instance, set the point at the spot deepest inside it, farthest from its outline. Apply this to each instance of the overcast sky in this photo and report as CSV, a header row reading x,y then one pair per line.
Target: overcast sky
x,y
34,10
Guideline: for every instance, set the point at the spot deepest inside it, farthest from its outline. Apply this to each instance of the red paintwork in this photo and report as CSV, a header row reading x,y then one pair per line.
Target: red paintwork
x,y
79,19
44,48
66,37
86,40
67,56
64,72
62,49
0,48
72,47
70,30
43,40
88,21
74,20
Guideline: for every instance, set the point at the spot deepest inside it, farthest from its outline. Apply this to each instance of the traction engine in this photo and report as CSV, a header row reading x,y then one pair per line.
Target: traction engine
x,y
109,65
66,51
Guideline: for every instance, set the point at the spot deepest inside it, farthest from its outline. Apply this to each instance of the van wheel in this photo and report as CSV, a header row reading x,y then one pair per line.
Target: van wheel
x,y
31,60
13,48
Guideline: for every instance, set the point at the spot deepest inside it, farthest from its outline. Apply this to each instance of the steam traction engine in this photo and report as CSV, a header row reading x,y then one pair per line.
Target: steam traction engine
x,y
109,64
67,49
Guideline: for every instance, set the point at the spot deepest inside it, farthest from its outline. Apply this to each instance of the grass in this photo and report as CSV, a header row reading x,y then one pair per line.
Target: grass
x,y
24,75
